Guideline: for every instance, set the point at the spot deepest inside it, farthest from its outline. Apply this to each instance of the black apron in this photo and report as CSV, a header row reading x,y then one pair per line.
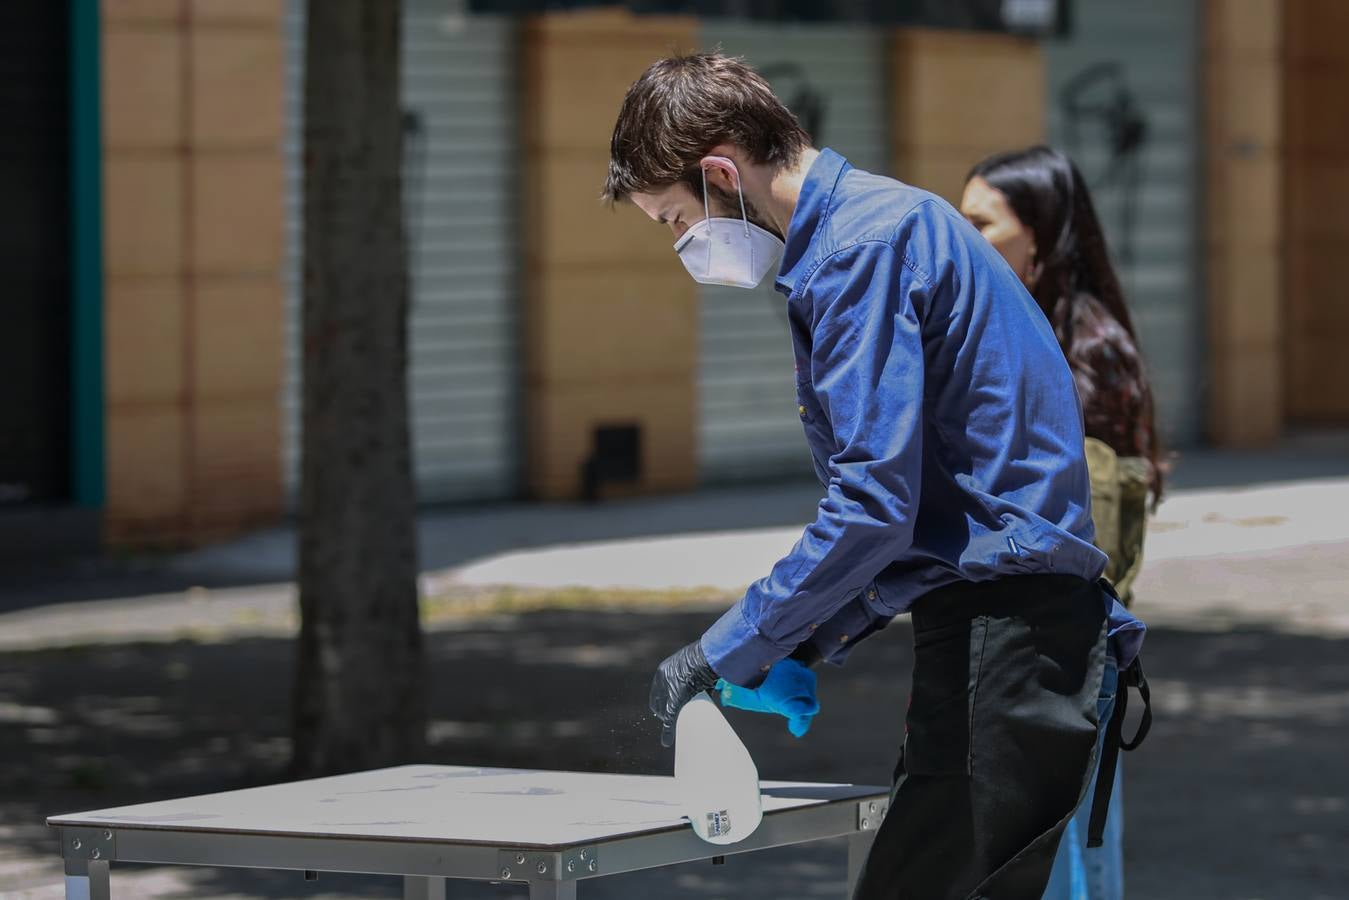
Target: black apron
x,y
1000,739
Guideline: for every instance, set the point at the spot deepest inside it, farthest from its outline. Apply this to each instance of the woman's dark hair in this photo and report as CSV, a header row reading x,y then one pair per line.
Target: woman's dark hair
x,y
1078,291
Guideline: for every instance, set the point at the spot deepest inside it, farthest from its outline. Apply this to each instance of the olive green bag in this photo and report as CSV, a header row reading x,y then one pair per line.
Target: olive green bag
x,y
1119,509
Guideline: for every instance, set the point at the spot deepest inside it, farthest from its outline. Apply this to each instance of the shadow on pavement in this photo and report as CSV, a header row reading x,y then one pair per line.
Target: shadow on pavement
x,y
1240,791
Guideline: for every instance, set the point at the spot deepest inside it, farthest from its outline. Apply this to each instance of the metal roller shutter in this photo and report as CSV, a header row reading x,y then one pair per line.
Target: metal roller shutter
x,y
461,178
833,77
1155,46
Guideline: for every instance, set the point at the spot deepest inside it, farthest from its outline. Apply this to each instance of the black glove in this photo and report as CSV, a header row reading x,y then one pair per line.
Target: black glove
x,y
678,680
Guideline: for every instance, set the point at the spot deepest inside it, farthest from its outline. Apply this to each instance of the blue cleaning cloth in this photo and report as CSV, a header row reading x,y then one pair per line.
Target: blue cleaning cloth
x,y
788,691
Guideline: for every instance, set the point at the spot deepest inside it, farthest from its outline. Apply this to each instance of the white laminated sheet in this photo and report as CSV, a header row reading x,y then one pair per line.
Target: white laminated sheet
x,y
444,803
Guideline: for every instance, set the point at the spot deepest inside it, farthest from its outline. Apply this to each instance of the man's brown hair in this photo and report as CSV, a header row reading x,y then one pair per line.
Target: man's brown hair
x,y
682,107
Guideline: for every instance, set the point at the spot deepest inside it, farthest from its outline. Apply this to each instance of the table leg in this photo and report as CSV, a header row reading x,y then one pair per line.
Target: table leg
x,y
859,845
88,881
423,887
552,890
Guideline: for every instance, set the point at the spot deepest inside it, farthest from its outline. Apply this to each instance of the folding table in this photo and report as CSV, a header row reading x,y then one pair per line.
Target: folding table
x,y
431,823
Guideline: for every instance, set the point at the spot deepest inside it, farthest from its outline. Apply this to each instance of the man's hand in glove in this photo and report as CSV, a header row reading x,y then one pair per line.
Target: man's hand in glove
x,y
789,691
678,680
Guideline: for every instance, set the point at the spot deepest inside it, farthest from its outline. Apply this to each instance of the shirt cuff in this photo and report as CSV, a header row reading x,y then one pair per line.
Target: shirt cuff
x,y
738,652
833,640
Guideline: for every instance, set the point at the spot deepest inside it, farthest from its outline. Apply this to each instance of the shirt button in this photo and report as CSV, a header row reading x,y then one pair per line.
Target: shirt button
x,y
801,410
843,639
871,595
813,627
764,668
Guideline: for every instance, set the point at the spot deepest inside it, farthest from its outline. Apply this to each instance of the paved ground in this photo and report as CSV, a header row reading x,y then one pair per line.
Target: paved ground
x,y
454,537
1241,792
1281,525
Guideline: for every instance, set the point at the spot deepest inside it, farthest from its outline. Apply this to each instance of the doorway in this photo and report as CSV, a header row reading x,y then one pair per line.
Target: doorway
x,y
35,301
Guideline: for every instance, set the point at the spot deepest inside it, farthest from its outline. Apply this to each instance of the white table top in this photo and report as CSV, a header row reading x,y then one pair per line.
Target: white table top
x,y
453,804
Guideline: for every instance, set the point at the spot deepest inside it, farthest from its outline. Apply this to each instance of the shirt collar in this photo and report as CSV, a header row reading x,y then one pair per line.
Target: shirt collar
x,y
811,213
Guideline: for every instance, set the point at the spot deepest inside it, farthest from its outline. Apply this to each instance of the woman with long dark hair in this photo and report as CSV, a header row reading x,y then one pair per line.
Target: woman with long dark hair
x,y
1033,206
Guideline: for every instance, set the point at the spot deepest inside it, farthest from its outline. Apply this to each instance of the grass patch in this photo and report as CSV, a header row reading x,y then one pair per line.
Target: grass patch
x,y
458,602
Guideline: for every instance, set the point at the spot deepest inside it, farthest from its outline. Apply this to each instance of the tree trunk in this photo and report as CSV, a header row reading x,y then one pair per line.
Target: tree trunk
x,y
360,688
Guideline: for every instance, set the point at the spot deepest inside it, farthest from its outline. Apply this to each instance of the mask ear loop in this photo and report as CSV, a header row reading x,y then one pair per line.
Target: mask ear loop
x,y
707,213
707,217
744,216
740,191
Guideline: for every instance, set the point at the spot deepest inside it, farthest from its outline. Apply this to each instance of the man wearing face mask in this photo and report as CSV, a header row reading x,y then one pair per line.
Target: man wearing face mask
x,y
946,432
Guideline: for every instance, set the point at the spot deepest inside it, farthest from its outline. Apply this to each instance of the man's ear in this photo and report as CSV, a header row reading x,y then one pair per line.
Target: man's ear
x,y
721,173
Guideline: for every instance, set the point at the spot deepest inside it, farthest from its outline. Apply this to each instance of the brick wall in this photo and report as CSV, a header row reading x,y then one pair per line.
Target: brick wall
x,y
611,316
193,248
1316,211
958,97
1243,165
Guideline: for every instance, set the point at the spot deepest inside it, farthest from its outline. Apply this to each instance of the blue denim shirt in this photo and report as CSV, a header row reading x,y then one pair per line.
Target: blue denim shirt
x,y
941,416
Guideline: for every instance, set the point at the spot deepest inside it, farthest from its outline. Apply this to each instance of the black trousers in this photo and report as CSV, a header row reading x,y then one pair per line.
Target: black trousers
x,y
1000,739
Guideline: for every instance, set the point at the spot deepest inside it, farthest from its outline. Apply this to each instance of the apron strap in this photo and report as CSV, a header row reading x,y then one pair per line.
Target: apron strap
x,y
1134,677
1113,742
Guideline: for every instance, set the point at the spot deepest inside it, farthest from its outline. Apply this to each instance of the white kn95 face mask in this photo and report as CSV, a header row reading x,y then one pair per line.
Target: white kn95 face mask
x,y
733,252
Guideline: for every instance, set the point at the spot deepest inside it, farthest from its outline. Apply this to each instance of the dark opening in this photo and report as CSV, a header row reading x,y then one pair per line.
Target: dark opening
x,y
34,253
615,456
